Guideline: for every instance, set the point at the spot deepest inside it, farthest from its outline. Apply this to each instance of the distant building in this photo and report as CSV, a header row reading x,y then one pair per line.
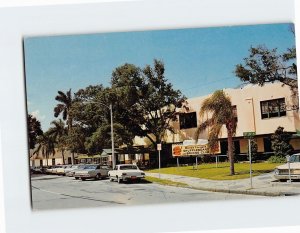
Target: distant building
x,y
39,160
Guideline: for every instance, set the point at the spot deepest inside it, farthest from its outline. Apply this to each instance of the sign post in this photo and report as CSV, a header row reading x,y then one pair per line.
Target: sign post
x,y
249,136
159,149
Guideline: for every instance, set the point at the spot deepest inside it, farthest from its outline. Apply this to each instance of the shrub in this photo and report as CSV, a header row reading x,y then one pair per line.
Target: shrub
x,y
277,159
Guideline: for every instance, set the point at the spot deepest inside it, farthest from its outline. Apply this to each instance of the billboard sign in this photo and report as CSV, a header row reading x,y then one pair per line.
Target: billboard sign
x,y
192,150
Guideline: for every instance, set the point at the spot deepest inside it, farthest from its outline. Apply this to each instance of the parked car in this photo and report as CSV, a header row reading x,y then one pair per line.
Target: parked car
x,y
92,171
50,169
36,170
62,169
71,171
125,172
282,171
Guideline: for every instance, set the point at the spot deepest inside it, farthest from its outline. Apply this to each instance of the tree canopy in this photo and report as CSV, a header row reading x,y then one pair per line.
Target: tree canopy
x,y
34,130
265,65
146,101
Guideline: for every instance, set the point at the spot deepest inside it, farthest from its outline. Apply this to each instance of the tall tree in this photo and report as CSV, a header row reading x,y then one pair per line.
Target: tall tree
x,y
34,130
219,108
59,134
64,107
265,65
146,101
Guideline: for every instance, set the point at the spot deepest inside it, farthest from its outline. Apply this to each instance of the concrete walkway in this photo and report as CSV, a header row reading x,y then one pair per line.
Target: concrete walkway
x,y
264,185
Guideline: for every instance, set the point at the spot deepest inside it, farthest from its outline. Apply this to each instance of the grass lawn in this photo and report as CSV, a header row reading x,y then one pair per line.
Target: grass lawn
x,y
165,182
222,172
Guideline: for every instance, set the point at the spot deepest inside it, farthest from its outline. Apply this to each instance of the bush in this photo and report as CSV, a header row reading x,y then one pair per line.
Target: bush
x,y
277,159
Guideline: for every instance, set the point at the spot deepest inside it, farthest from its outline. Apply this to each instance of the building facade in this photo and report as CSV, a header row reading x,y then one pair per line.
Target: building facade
x,y
257,109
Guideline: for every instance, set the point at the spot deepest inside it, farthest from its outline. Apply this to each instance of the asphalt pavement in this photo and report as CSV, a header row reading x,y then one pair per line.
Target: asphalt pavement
x,y
263,185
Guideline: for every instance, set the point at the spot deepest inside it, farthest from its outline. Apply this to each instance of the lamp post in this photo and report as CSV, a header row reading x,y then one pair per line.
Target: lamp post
x,y
110,107
250,135
112,137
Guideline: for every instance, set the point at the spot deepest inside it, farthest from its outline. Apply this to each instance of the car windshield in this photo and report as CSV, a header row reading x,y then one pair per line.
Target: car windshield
x,y
295,158
90,167
128,167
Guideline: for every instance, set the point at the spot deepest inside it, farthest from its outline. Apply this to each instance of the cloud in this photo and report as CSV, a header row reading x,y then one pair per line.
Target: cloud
x,y
38,115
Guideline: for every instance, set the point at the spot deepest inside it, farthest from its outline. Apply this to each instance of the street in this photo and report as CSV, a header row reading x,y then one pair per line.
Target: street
x,y
57,192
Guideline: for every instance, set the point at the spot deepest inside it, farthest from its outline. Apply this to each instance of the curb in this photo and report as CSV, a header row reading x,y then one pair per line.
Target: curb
x,y
245,192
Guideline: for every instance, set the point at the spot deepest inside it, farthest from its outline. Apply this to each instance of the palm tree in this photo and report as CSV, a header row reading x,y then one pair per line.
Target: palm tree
x,y
220,110
59,133
64,107
46,145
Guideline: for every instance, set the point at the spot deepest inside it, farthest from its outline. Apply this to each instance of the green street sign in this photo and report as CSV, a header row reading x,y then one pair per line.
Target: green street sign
x,y
249,134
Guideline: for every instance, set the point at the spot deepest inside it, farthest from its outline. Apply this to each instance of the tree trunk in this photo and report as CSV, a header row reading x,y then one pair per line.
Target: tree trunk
x,y
63,156
230,152
73,158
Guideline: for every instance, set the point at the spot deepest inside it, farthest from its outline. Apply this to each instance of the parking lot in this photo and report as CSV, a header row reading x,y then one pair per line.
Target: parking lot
x,y
57,192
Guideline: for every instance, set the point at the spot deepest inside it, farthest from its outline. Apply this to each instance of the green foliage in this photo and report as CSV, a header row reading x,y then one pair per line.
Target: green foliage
x,y
75,139
280,143
34,130
265,65
64,106
254,149
146,101
277,159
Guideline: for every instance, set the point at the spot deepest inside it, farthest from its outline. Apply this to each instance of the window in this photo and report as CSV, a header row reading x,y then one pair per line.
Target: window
x,y
273,108
188,120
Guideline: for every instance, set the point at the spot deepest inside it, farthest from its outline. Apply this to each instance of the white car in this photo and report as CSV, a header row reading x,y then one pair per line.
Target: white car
x,y
61,170
282,171
125,172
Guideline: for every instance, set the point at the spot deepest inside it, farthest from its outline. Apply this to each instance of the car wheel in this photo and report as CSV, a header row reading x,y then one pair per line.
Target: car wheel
x,y
98,177
110,179
76,178
83,179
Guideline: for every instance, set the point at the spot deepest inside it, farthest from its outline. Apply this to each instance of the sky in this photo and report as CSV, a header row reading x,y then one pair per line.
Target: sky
x,y
197,61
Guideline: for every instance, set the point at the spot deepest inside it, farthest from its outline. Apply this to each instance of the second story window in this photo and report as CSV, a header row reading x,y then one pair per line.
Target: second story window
x,y
188,120
272,108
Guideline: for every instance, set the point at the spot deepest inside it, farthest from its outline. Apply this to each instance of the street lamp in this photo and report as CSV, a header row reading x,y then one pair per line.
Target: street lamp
x,y
111,130
249,140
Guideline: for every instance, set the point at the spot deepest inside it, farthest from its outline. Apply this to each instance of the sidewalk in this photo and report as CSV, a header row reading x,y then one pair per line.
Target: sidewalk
x,y
263,185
